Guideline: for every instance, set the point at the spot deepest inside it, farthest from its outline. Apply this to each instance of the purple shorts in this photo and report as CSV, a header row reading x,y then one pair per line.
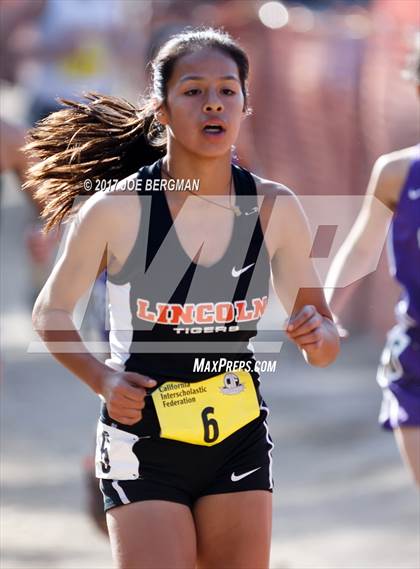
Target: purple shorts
x,y
399,377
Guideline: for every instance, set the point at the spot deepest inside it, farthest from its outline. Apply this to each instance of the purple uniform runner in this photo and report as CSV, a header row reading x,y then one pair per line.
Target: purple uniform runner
x,y
399,369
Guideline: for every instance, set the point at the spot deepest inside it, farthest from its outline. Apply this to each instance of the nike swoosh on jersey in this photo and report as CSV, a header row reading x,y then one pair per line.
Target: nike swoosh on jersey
x,y
414,194
235,477
236,273
253,210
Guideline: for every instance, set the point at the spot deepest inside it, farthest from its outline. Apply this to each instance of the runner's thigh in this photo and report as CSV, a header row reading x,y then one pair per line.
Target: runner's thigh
x,y
152,534
234,530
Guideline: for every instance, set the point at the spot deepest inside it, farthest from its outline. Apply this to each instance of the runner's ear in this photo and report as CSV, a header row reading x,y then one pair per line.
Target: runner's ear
x,y
161,117
161,114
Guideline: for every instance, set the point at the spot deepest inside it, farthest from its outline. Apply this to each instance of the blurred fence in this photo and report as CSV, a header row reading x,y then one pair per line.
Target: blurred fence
x,y
326,86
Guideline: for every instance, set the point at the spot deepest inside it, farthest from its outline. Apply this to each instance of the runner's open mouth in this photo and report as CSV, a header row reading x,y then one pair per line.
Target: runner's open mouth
x,y
213,128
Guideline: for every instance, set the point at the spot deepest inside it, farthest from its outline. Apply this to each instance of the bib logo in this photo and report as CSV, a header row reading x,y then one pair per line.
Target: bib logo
x,y
231,384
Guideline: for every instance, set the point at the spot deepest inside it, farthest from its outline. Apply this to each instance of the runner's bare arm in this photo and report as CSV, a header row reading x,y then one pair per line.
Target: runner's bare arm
x,y
83,258
296,281
90,237
360,252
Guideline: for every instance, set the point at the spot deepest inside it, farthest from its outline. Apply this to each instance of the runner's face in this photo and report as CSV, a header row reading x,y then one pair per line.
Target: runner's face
x,y
204,88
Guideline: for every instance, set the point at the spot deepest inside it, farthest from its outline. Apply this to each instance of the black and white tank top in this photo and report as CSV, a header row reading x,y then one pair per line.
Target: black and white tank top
x,y
166,309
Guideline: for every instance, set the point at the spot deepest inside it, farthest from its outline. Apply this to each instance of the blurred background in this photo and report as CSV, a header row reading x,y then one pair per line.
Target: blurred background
x,y
328,98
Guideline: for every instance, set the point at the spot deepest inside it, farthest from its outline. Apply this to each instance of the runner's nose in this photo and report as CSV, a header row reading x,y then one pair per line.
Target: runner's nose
x,y
213,103
213,107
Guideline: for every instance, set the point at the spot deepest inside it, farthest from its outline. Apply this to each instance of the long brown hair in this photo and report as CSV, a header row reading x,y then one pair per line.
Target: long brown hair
x,y
107,138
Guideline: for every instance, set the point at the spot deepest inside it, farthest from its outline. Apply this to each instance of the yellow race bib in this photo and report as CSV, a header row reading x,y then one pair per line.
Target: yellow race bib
x,y
206,412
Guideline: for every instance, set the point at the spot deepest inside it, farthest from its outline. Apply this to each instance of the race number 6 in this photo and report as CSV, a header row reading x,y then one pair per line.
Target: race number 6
x,y
209,423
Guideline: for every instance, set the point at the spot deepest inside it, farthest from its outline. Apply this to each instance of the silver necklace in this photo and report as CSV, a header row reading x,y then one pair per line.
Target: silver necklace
x,y
236,210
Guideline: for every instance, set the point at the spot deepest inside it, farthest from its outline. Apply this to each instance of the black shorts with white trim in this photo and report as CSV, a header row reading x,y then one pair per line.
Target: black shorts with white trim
x,y
181,472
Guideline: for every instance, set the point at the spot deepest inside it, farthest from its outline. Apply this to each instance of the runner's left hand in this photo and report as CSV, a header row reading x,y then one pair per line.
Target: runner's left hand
x,y
305,328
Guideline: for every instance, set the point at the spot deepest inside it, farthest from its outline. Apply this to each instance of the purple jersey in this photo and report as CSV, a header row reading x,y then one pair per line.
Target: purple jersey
x,y
399,369
404,248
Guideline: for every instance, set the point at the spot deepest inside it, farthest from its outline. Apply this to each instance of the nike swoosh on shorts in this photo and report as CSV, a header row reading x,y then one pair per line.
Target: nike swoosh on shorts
x,y
235,477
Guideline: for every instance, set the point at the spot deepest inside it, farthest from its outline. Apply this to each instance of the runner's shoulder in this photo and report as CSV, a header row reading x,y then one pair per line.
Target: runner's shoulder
x,y
284,210
270,188
390,172
285,200
396,163
108,206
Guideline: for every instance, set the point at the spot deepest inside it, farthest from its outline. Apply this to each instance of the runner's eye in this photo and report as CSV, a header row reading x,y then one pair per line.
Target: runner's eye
x,y
228,91
191,92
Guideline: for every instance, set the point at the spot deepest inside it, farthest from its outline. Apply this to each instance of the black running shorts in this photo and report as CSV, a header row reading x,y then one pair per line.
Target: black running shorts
x,y
181,472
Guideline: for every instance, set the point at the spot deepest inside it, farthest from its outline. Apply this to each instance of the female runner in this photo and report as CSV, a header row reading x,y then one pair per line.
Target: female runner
x,y
395,182
183,454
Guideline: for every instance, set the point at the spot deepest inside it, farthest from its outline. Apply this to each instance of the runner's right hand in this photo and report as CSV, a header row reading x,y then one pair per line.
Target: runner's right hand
x,y
124,394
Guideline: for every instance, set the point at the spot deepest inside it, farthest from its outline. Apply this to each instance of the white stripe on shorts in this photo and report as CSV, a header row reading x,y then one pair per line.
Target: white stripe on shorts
x,y
120,492
270,475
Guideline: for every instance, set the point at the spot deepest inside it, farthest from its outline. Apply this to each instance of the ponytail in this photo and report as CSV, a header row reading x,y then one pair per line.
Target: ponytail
x,y
107,138
101,137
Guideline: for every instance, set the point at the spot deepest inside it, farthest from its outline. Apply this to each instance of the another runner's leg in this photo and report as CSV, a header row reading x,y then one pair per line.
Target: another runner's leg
x,y
408,440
